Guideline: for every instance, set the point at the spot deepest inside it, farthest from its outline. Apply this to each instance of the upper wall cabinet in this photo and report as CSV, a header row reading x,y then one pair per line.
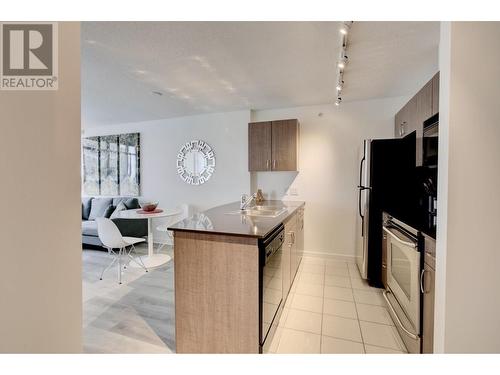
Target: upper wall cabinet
x,y
273,145
435,94
259,146
412,116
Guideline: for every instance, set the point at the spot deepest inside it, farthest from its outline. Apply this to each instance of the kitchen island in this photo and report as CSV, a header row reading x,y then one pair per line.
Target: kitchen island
x,y
224,286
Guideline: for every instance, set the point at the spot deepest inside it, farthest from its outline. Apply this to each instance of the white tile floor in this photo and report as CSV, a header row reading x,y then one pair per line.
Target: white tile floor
x,y
330,309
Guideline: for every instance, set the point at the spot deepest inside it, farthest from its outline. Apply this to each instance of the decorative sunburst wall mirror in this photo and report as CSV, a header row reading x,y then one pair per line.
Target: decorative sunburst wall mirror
x,y
196,162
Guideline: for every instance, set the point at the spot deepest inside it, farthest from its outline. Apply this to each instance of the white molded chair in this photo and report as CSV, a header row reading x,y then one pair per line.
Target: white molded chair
x,y
184,213
111,238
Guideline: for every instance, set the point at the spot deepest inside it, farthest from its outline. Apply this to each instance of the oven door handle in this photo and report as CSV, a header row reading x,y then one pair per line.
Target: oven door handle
x,y
398,321
407,243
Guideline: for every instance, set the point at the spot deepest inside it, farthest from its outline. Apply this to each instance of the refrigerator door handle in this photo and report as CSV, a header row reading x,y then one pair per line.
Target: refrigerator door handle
x,y
361,214
359,203
361,171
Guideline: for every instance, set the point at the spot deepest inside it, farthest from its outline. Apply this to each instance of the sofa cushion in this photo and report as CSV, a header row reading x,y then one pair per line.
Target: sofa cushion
x,y
99,206
116,213
86,204
132,203
89,228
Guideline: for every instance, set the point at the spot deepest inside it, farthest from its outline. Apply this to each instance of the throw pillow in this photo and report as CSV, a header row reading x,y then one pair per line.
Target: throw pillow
x,y
99,205
132,203
86,204
118,209
109,211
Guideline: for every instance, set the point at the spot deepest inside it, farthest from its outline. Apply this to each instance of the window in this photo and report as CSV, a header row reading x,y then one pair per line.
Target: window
x,y
111,165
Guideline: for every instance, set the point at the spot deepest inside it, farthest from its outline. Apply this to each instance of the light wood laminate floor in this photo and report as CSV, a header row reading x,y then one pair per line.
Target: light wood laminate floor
x,y
135,317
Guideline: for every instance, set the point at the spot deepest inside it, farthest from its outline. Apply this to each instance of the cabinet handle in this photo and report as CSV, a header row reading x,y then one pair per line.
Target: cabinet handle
x,y
422,281
384,266
293,237
402,128
267,164
274,164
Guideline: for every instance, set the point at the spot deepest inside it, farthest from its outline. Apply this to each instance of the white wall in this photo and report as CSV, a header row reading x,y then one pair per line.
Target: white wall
x,y
160,143
467,292
328,163
40,267
330,138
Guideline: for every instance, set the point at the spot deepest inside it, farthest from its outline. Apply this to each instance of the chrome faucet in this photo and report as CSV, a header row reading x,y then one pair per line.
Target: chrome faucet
x,y
246,200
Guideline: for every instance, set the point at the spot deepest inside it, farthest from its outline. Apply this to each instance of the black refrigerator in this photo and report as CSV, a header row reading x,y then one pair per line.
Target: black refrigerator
x,y
386,183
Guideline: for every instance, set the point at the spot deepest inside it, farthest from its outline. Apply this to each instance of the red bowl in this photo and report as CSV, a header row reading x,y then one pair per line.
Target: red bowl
x,y
149,206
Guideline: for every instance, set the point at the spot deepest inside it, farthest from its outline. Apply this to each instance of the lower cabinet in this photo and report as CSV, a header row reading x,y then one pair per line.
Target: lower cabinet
x,y
428,285
300,236
286,265
293,248
289,254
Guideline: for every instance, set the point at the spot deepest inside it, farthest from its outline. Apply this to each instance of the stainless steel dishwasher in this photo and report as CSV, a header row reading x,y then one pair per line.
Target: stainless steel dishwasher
x,y
271,284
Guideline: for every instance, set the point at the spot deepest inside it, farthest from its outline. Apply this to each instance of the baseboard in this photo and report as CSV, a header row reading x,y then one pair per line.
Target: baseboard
x,y
331,256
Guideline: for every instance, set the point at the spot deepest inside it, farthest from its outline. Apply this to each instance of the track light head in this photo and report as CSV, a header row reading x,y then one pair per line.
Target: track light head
x,y
342,60
338,101
344,29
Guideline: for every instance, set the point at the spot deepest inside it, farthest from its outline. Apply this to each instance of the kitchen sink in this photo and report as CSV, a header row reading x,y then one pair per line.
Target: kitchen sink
x,y
264,211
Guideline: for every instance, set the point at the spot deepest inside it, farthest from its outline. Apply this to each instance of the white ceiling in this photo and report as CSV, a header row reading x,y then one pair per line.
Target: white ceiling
x,y
203,67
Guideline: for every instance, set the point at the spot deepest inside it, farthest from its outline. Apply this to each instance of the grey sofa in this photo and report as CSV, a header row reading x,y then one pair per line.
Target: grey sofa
x,y
93,207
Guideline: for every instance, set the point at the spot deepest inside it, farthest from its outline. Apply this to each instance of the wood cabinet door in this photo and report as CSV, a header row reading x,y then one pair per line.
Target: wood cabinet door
x,y
286,264
435,94
285,139
428,309
294,254
300,235
259,146
423,110
288,248
400,121
412,116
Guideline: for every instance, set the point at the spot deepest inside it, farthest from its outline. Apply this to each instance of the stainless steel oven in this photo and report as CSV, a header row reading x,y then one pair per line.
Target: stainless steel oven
x,y
403,246
271,284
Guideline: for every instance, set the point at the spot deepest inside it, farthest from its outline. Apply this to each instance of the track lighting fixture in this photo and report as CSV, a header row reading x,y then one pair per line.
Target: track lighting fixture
x,y
342,62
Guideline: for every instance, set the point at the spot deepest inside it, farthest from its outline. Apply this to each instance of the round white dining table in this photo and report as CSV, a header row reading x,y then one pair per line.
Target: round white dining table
x,y
151,260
